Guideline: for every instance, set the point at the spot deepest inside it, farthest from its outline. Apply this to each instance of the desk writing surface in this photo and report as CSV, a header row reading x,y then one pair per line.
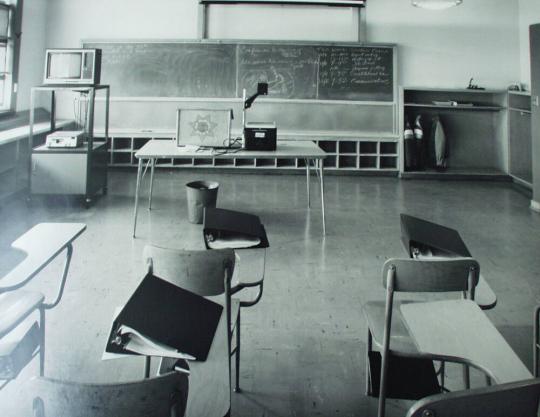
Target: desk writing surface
x,y
460,329
42,244
249,267
285,149
209,381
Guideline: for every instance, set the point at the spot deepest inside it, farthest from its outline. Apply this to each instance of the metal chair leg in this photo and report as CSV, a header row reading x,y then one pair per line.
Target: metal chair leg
x,y
42,341
369,347
383,382
237,355
536,344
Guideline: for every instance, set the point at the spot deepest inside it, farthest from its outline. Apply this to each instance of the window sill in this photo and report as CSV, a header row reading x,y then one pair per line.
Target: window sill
x,y
22,132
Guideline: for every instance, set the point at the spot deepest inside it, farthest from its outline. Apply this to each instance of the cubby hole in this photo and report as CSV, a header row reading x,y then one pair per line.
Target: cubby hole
x,y
347,147
368,147
301,163
330,162
164,161
329,146
182,161
203,161
368,162
244,162
347,162
138,143
265,162
285,163
388,162
121,144
223,162
388,148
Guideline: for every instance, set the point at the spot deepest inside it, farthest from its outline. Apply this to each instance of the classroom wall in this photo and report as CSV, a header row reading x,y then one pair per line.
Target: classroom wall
x,y
445,48
529,13
33,46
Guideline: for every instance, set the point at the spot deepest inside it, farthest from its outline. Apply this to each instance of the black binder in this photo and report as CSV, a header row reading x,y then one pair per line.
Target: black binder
x,y
221,222
427,235
170,315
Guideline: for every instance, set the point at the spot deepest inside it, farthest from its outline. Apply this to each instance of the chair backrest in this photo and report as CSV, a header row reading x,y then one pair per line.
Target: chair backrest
x,y
517,399
200,271
442,275
161,396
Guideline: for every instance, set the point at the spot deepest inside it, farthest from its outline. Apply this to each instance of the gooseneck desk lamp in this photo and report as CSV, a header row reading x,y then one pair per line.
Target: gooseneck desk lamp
x,y
262,90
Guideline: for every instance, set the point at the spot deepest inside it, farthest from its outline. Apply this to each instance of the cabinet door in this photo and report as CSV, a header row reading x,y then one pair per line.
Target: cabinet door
x,y
520,145
535,108
57,173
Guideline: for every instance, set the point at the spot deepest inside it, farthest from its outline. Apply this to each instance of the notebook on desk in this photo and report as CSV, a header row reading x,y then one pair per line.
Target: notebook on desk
x,y
161,315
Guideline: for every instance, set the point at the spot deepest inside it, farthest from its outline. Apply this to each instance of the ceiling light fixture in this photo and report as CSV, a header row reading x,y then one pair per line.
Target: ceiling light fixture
x,y
436,4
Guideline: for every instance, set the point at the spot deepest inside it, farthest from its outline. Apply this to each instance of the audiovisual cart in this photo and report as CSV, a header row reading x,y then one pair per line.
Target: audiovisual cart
x,y
80,171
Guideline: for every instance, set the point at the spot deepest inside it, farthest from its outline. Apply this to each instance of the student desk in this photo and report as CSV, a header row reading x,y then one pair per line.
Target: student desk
x,y
43,243
460,331
156,149
427,240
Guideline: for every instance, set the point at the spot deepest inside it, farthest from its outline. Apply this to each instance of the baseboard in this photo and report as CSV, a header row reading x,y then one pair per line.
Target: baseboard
x,y
535,205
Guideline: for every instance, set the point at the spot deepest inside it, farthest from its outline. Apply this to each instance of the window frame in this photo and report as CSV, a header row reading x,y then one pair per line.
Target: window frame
x,y
12,42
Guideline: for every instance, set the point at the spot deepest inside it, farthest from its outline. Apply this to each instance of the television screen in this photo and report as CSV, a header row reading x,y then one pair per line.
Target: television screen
x,y
64,65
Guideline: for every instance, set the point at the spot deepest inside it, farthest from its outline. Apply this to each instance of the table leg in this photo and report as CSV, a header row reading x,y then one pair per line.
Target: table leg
x,y
139,173
151,183
308,175
320,165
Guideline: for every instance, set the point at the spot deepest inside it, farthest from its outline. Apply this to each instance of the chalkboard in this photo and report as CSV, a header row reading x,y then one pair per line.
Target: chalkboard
x,y
291,71
222,69
356,73
168,69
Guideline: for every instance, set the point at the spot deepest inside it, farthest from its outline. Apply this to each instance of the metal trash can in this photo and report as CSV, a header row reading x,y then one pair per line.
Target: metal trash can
x,y
200,194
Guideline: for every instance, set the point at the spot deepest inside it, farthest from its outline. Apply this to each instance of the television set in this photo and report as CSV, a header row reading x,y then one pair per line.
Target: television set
x,y
72,66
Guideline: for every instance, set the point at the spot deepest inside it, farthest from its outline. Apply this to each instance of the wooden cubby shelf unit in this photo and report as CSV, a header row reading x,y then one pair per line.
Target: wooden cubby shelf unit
x,y
475,129
343,154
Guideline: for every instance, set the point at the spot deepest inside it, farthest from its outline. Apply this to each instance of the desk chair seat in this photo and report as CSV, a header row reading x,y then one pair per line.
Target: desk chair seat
x,y
161,396
15,306
401,340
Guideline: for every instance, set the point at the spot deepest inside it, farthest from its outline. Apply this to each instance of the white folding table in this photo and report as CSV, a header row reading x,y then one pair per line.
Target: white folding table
x,y
166,148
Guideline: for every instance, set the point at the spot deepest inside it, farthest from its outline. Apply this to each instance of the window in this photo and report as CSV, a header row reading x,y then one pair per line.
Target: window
x,y
9,49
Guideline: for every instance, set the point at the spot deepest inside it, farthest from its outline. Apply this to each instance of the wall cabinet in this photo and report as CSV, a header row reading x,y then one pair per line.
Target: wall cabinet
x,y
475,126
519,138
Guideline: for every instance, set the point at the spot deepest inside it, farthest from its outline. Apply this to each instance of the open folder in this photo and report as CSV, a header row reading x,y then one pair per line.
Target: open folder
x,y
162,319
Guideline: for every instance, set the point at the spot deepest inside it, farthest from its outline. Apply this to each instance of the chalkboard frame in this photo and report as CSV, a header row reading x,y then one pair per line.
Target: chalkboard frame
x,y
393,47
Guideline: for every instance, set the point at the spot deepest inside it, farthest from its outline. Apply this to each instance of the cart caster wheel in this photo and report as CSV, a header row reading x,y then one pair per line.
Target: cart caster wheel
x,y
87,203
